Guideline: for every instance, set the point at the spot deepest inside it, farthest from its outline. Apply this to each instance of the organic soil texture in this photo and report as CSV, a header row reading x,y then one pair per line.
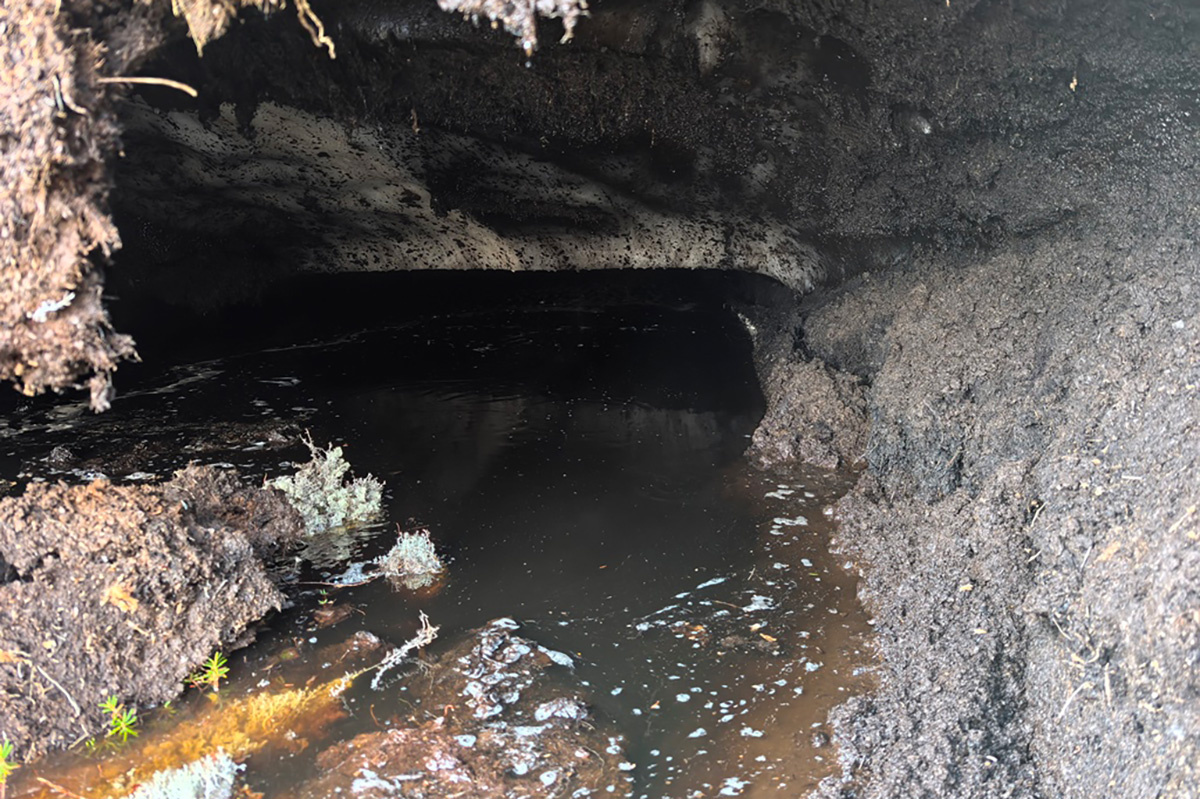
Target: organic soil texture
x,y
122,591
1028,525
62,65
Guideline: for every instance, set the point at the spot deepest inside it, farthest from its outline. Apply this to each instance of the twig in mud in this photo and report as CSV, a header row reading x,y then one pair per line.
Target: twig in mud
x,y
1036,513
151,81
56,684
1082,686
59,789
425,636
1179,522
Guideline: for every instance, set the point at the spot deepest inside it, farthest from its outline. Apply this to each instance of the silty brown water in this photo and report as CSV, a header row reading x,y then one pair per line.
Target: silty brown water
x,y
581,472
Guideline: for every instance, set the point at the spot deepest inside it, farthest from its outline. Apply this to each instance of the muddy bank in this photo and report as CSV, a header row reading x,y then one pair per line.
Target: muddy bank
x,y
1028,525
122,591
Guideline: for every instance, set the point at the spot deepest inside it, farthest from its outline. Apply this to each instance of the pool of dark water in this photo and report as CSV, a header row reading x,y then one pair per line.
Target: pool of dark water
x,y
580,470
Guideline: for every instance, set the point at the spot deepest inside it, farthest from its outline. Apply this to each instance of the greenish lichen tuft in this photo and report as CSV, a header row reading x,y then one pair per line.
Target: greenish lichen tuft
x,y
413,561
323,495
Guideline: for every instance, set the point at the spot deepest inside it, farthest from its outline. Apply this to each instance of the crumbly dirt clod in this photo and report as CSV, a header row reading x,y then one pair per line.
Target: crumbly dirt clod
x,y
122,591
817,415
57,129
62,65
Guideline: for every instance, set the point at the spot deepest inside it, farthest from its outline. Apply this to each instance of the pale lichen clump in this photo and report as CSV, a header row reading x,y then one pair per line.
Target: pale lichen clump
x,y
325,499
413,561
209,777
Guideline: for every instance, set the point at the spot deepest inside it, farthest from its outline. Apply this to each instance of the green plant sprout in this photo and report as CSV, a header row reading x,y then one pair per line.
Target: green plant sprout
x,y
122,721
110,706
7,766
215,669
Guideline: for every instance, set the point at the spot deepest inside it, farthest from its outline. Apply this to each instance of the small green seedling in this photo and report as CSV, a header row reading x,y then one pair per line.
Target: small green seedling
x,y
215,669
122,721
123,724
110,706
7,766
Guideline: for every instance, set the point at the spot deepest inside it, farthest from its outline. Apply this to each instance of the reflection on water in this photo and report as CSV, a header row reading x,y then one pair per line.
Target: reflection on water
x,y
581,473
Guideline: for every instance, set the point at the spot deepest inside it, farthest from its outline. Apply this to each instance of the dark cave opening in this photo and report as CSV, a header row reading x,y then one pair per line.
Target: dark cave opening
x,y
957,242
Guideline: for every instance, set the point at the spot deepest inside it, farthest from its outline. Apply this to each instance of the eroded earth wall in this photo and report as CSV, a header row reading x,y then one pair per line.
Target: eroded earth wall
x,y
1029,524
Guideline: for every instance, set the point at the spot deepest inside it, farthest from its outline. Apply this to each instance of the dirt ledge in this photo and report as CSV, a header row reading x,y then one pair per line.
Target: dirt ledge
x,y
123,590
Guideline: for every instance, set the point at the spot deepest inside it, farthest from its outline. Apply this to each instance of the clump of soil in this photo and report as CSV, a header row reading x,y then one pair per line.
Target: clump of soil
x,y
816,414
122,591
509,723
58,128
63,65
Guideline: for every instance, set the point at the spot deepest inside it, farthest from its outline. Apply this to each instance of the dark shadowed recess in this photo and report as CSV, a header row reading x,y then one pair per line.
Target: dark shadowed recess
x,y
309,307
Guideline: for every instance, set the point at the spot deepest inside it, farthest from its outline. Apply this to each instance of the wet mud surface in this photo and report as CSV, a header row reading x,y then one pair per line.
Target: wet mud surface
x,y
572,484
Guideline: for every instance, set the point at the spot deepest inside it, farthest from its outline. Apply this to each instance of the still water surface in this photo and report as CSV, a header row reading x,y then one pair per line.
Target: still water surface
x,y
581,472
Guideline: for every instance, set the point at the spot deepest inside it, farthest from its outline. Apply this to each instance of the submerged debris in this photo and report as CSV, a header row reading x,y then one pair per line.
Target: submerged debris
x,y
413,562
235,730
425,636
325,499
511,724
